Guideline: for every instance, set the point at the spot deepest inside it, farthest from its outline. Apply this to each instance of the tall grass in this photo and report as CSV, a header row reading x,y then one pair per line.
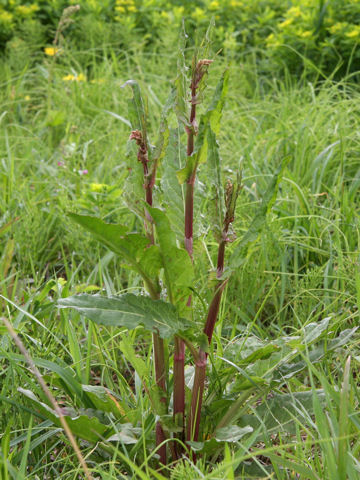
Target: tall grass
x,y
303,268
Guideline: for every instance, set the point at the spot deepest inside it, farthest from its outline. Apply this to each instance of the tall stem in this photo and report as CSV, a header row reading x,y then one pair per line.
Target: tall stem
x,y
193,425
158,343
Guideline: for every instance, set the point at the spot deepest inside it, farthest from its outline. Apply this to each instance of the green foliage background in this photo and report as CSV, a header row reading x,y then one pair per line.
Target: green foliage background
x,y
291,34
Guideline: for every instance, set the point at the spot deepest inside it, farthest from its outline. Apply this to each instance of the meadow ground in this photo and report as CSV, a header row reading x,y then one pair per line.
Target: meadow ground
x,y
289,315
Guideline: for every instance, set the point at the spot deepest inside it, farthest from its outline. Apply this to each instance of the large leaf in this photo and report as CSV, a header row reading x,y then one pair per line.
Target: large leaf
x,y
104,400
134,248
86,426
178,268
173,195
127,434
279,412
128,311
256,226
232,433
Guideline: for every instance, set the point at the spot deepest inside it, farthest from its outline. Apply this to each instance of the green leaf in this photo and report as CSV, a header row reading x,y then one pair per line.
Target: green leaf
x,y
84,426
104,400
128,311
178,268
232,433
173,195
134,248
256,226
127,434
279,412
163,140
136,109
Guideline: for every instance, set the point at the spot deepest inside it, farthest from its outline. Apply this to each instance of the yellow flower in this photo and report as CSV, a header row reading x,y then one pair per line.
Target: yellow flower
x,y
6,17
305,34
355,32
235,3
74,78
51,51
132,8
98,187
286,23
27,98
69,78
294,12
214,5
80,78
198,14
26,10
119,9
272,41
337,27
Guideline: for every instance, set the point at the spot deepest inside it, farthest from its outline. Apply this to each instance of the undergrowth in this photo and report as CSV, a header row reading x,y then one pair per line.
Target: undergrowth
x,y
288,317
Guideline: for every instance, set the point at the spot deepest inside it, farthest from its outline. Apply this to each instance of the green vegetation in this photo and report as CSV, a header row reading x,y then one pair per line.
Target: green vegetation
x,y
281,396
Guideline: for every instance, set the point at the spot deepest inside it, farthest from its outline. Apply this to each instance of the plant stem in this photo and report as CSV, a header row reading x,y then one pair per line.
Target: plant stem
x,y
193,425
158,343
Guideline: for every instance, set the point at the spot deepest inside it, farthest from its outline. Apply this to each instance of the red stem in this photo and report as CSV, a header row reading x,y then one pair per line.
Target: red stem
x,y
158,343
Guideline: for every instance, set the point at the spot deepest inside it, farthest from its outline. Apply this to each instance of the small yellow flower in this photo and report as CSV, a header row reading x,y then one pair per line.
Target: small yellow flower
x,y
355,32
132,8
337,27
69,78
98,187
294,12
80,78
119,9
6,17
306,34
235,4
214,5
164,14
74,78
198,14
51,51
27,98
286,23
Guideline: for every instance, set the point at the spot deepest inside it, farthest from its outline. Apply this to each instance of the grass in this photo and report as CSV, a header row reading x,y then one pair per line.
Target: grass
x,y
302,270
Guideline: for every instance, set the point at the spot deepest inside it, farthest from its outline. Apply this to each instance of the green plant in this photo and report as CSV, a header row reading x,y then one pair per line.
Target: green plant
x,y
170,310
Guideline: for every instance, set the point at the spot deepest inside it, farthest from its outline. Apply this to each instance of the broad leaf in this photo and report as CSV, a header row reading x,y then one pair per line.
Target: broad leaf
x,y
82,425
134,248
232,433
279,412
173,195
178,268
128,311
104,400
126,434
